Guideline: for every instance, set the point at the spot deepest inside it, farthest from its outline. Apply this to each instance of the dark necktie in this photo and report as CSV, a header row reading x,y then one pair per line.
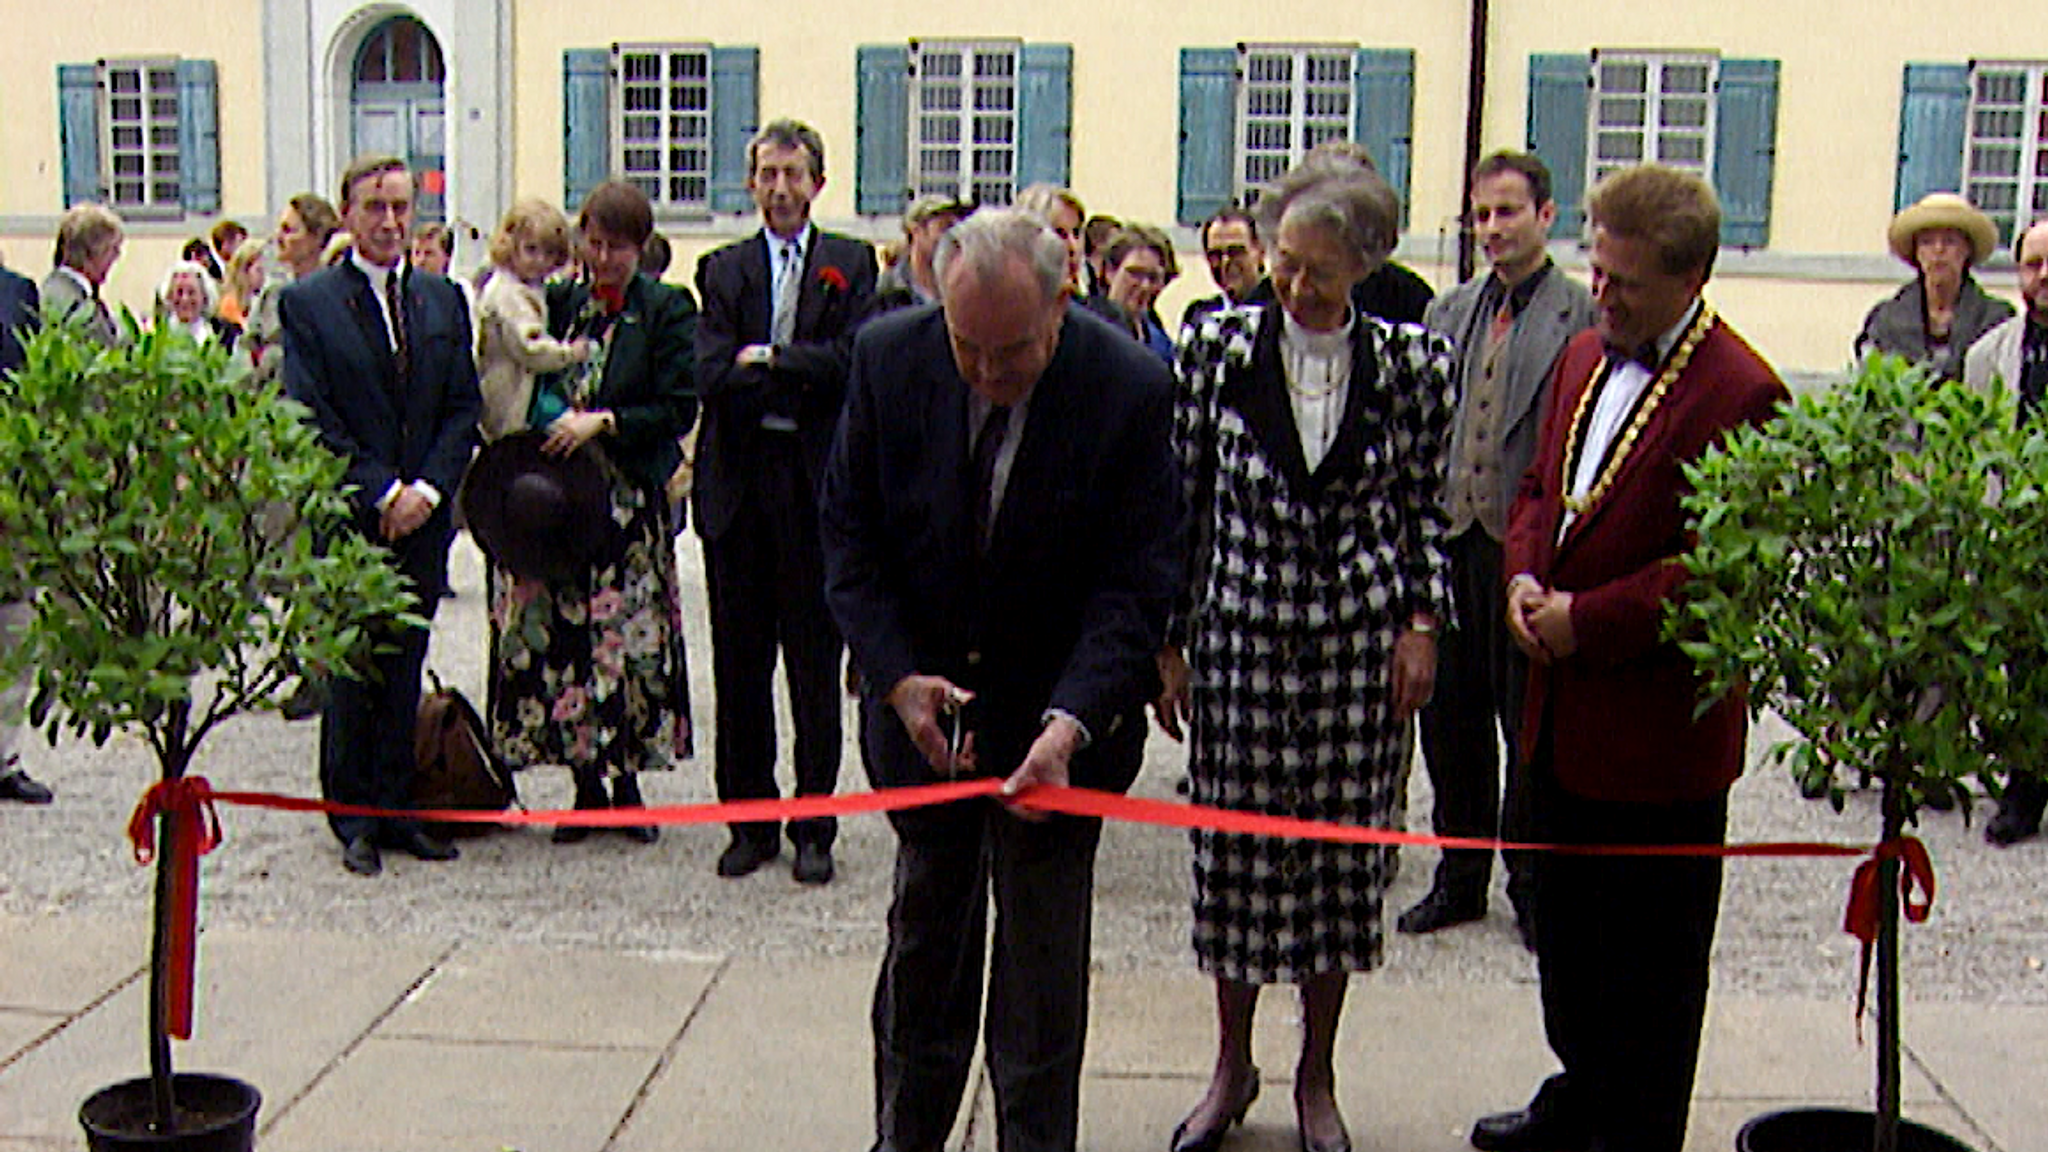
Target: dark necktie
x,y
394,307
1646,355
2033,384
988,444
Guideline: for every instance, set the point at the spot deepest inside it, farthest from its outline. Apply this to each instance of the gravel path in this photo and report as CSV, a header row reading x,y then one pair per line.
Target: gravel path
x,y
1780,925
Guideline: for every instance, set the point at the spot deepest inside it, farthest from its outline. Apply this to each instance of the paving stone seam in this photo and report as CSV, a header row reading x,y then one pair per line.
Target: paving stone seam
x,y
356,1042
1989,1142
667,1055
66,1020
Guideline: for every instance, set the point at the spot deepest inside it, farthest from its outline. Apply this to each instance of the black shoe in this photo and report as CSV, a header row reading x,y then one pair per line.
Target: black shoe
x,y
1439,910
422,846
361,857
1211,1139
1531,1129
813,864
626,794
571,833
18,786
2011,825
745,854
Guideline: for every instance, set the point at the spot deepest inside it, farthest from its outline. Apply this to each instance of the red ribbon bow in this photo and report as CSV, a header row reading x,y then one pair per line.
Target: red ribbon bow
x,y
1916,871
194,831
612,296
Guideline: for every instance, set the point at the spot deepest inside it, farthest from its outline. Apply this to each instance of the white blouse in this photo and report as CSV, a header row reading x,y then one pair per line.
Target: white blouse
x,y
1318,369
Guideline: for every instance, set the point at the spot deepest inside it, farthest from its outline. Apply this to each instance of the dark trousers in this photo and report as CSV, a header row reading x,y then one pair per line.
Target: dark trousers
x,y
1480,677
949,861
766,577
1622,947
367,727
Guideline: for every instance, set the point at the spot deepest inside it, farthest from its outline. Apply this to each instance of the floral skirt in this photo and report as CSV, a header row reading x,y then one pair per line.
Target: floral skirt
x,y
590,672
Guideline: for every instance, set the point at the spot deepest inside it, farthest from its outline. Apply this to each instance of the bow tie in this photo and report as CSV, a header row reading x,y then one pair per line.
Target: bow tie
x,y
1645,355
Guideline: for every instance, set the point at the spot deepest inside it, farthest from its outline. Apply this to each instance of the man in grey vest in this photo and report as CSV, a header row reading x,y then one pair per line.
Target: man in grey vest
x,y
1509,324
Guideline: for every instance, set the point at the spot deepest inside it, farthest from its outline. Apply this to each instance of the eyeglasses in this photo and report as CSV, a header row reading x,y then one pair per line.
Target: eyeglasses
x,y
1228,252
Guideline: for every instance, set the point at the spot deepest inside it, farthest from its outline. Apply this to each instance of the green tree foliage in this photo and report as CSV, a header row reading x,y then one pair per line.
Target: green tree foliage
x,y
176,528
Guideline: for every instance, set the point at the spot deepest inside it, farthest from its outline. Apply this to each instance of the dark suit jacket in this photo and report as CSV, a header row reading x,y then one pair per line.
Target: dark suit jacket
x,y
646,384
808,382
338,362
1070,610
1620,709
20,314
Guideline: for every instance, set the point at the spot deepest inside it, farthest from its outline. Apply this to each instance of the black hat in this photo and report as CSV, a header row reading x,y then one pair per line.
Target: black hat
x,y
540,516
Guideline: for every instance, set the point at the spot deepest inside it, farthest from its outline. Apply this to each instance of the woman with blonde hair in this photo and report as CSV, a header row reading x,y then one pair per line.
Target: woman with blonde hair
x,y
513,345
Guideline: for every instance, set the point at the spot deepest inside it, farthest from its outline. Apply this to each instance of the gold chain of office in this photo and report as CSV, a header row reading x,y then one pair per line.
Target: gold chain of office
x,y
1701,325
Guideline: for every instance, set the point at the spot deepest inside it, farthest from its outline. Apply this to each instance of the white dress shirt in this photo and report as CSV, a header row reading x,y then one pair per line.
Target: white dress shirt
x,y
1626,383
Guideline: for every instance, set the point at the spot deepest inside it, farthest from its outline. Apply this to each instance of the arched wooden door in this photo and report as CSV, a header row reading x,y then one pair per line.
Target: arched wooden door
x,y
398,105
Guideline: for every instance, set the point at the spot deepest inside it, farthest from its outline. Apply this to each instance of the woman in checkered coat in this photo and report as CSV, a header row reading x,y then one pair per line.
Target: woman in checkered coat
x,y
1311,440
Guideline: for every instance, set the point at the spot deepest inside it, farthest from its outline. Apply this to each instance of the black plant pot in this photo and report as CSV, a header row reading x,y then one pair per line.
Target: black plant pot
x,y
1834,1130
216,1114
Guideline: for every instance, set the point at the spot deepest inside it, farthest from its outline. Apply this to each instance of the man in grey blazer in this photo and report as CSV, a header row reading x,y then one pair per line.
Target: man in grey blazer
x,y
89,240
1509,324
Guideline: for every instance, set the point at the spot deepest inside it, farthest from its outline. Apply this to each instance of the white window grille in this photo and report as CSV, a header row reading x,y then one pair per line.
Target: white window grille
x,y
1290,98
2005,166
1652,107
661,117
963,123
139,150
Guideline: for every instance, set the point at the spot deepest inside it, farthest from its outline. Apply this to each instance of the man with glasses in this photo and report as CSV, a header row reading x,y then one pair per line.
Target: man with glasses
x,y
1237,262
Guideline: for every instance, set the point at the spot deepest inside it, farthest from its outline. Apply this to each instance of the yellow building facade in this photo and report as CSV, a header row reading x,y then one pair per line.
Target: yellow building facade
x,y
1816,119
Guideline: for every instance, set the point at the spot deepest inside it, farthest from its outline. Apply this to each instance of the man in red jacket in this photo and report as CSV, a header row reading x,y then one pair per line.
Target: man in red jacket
x,y
1615,752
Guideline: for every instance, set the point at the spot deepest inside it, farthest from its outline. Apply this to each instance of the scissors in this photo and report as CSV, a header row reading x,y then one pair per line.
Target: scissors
x,y
955,707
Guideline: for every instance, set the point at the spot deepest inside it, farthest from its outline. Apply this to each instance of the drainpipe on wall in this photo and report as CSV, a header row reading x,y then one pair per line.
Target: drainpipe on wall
x,y
1475,118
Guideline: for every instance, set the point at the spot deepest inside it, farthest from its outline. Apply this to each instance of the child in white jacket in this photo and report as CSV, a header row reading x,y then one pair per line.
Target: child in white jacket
x,y
514,346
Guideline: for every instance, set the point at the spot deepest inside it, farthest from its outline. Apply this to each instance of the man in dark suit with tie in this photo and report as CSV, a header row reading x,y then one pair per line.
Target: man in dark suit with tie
x,y
1616,748
1003,535
1509,324
780,308
19,316
382,357
89,240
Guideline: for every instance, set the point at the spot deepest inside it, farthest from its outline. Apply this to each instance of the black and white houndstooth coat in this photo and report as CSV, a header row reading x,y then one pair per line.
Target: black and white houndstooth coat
x,y
1298,585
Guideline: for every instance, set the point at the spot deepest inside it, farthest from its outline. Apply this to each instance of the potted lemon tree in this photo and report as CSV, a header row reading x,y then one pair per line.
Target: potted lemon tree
x,y
173,526
1870,566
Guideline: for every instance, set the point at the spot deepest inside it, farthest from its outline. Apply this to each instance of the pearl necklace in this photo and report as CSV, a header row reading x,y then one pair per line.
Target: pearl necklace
x,y
1701,325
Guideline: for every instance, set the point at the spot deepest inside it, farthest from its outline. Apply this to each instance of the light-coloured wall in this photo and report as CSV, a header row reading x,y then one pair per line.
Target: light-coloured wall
x,y
1801,304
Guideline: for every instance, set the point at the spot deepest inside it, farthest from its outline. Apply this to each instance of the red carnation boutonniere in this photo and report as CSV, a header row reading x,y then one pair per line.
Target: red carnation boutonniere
x,y
832,278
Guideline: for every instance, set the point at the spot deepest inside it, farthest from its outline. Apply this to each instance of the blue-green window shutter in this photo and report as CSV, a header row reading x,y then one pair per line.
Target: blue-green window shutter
x,y
1383,115
1208,133
882,140
586,123
199,136
1045,115
1932,131
1746,150
1559,86
735,117
78,131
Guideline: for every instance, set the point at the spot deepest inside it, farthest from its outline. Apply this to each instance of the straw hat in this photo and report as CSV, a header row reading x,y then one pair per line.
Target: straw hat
x,y
1943,210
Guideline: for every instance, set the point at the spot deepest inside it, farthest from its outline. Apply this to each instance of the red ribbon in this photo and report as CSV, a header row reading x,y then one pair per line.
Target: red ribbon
x,y
612,296
191,802
1916,871
194,831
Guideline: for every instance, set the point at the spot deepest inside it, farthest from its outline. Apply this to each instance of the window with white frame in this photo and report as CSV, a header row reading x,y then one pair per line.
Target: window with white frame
x,y
661,118
1652,107
2005,164
1290,98
963,121
139,136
